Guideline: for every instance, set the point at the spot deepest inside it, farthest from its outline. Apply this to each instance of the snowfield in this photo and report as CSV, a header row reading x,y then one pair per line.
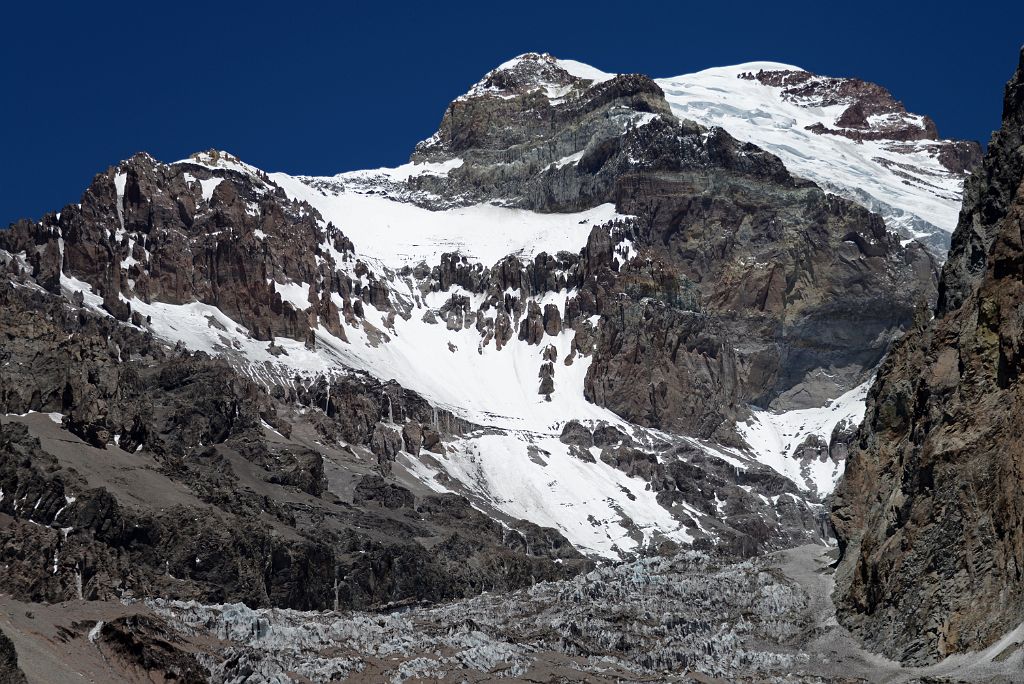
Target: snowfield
x,y
774,437
399,233
903,181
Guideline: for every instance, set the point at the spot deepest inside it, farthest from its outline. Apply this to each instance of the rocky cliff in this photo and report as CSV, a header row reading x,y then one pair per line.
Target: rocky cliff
x,y
930,513
10,673
128,468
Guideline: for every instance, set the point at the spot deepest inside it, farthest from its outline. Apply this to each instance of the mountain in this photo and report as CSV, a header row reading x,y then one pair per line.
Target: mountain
x,y
929,512
592,264
575,328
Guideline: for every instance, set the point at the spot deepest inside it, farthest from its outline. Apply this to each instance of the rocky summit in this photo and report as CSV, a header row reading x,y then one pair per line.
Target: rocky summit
x,y
563,398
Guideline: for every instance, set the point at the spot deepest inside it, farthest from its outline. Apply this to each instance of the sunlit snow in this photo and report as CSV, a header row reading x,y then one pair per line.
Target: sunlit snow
x,y
774,437
399,233
757,113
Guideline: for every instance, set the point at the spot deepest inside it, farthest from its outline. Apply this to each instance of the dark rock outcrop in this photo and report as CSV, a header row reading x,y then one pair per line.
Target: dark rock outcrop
x,y
211,230
144,647
930,513
10,673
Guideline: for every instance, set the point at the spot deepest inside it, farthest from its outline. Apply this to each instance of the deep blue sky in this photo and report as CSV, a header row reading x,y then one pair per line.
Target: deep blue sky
x,y
311,88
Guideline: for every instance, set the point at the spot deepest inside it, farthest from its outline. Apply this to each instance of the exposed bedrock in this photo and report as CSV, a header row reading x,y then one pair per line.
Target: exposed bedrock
x,y
930,513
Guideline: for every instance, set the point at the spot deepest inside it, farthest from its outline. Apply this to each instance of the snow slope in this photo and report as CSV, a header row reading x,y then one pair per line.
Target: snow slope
x,y
400,233
534,477
775,437
903,181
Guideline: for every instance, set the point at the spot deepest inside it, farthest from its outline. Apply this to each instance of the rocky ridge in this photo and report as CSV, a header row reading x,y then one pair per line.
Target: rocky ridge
x,y
929,512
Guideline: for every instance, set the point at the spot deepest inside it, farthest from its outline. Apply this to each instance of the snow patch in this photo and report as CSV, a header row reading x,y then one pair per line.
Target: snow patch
x,y
208,185
584,71
297,294
599,509
774,438
571,159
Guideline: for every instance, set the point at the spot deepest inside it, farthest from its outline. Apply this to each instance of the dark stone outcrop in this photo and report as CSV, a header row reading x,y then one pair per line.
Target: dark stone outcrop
x,y
930,513
10,673
146,647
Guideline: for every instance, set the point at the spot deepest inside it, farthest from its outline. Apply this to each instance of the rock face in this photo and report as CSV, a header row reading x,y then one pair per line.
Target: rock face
x,y
10,673
930,514
182,233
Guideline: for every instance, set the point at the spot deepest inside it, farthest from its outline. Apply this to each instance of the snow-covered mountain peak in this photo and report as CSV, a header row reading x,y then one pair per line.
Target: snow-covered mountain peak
x,y
221,159
849,136
543,61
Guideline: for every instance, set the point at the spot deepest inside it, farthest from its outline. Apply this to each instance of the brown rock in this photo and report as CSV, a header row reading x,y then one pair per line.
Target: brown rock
x,y
930,512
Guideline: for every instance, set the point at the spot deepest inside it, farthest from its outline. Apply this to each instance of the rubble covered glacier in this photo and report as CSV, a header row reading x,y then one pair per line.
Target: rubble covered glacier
x,y
656,616
686,617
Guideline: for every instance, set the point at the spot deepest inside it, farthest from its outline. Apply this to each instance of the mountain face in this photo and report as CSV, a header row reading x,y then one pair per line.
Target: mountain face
x,y
734,230
166,475
929,513
591,288
575,327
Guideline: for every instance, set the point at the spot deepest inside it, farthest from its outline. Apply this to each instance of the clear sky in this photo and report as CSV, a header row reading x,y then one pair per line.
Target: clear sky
x,y
320,88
